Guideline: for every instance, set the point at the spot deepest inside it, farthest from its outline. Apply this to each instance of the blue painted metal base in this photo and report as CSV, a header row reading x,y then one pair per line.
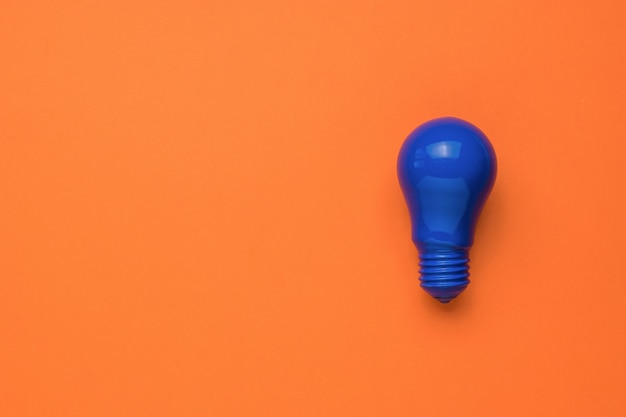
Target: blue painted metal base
x,y
444,273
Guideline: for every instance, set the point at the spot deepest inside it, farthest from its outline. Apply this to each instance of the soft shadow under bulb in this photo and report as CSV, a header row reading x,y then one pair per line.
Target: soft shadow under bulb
x,y
446,169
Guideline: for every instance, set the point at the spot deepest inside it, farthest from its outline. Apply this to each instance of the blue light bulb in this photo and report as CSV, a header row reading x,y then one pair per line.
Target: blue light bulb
x,y
446,169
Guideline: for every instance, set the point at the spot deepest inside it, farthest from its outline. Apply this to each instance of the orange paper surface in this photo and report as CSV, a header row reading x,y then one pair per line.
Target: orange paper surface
x,y
200,216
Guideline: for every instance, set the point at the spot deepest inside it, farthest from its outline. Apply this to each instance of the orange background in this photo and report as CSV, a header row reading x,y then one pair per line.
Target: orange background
x,y
200,214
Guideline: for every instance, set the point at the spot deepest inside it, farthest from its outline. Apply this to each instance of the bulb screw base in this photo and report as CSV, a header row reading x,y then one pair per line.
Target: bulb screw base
x,y
444,273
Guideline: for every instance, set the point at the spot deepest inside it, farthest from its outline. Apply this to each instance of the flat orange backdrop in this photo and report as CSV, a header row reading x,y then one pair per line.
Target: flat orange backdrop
x,y
200,214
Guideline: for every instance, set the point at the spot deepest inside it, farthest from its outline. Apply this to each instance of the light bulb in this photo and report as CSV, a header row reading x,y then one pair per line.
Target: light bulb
x,y
446,169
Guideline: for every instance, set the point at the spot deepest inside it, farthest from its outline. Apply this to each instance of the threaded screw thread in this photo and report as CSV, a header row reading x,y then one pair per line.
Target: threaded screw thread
x,y
444,273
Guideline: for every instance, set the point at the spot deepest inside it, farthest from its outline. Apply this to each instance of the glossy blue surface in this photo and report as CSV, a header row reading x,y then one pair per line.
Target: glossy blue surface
x,y
446,169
